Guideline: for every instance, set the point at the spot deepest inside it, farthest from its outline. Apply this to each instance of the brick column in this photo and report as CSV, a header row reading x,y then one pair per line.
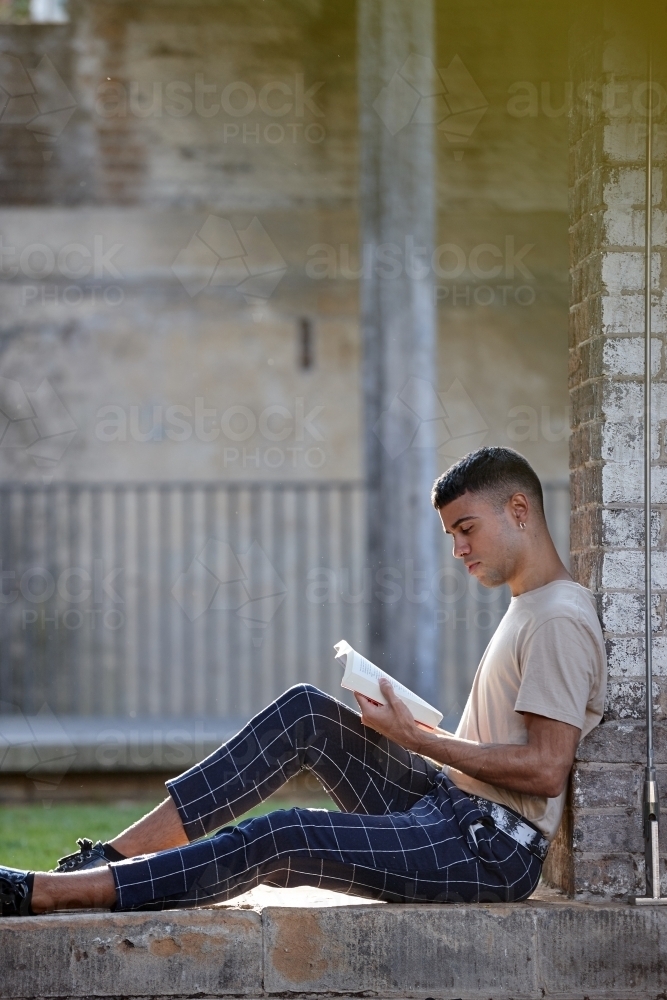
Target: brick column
x,y
600,849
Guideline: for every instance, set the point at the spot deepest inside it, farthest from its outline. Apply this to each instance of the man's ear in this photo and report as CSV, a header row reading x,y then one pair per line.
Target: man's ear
x,y
519,507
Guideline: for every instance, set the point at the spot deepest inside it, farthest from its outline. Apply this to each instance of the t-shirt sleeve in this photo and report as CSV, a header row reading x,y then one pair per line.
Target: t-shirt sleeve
x,y
557,672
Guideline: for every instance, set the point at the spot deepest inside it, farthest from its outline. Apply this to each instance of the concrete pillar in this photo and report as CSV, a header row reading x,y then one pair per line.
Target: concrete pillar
x,y
397,219
600,848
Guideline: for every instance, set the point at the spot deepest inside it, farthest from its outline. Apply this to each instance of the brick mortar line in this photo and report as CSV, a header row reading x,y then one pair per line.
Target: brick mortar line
x,y
627,505
614,248
607,167
616,336
614,765
592,856
631,635
631,812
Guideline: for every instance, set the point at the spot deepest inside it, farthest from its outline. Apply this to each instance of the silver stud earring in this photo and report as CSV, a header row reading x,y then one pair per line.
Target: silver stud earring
x,y
522,524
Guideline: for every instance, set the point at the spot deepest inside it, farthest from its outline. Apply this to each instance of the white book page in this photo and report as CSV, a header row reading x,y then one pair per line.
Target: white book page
x,y
363,676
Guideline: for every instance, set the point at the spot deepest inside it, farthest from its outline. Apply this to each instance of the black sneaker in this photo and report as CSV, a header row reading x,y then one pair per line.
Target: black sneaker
x,y
89,855
15,892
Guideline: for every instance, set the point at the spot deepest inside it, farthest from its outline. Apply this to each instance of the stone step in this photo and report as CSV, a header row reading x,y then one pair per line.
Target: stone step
x,y
307,947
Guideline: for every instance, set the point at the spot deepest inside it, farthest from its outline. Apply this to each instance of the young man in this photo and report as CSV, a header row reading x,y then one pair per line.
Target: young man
x,y
424,816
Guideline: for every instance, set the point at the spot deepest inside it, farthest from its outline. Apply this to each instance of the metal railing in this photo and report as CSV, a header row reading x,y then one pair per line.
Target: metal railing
x,y
177,600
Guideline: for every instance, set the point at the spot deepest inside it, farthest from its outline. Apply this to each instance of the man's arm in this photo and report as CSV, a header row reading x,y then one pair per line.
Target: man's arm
x,y
539,767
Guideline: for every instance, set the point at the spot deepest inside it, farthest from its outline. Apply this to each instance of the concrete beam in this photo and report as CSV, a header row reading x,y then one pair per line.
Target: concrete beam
x,y
46,746
398,321
534,949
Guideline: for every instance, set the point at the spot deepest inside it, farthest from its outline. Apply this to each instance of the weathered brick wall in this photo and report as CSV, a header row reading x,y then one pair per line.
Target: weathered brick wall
x,y
607,187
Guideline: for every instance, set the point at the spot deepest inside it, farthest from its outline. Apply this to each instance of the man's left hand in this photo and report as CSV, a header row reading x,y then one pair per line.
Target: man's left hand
x,y
393,720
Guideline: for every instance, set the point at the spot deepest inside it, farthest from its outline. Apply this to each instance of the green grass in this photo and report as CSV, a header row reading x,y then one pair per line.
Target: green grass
x,y
35,836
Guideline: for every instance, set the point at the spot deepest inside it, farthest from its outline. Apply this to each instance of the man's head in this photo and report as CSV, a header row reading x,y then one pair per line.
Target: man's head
x,y
491,503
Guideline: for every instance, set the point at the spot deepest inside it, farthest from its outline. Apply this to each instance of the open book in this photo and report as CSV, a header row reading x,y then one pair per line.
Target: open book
x,y
363,676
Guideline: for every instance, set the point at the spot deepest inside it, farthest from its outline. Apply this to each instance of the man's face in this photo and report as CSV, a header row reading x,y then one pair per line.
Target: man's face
x,y
485,538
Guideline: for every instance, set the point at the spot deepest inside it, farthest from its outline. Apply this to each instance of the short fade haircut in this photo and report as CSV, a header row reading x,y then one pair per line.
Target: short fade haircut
x,y
500,472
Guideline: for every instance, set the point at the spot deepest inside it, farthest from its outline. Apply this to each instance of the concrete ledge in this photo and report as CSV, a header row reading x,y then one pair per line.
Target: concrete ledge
x,y
101,954
527,950
45,745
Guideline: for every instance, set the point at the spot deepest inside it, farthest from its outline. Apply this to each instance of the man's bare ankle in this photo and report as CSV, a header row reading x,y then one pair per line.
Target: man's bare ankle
x,y
87,890
42,901
120,846
157,831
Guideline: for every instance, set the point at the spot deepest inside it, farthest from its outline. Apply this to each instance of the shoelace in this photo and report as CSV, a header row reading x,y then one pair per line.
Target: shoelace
x,y
84,853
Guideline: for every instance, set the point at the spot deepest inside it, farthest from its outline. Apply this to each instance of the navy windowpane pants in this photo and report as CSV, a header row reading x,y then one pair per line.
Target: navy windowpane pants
x,y
402,835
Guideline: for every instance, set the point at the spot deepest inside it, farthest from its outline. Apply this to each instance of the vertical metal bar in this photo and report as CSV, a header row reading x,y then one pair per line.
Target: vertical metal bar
x,y
6,685
95,646
346,567
254,641
324,643
89,664
647,423
164,570
277,516
300,571
17,559
173,612
152,625
292,633
120,706
210,666
141,564
221,632
187,663
178,663
28,642
359,562
50,668
233,646
71,678
266,650
105,611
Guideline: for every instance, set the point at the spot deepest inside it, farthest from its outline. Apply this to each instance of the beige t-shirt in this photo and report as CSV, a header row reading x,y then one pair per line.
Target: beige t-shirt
x,y
547,657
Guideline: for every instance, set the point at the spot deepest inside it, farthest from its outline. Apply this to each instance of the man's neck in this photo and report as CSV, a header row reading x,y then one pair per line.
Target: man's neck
x,y
538,573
